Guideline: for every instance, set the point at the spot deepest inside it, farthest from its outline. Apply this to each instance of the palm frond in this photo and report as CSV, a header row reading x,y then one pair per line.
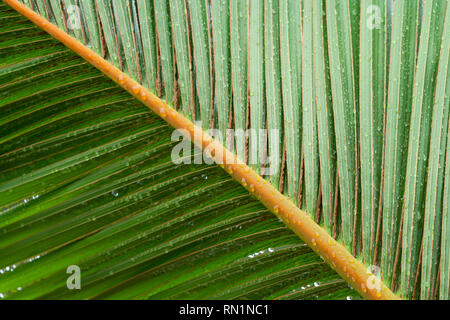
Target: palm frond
x,y
356,91
87,179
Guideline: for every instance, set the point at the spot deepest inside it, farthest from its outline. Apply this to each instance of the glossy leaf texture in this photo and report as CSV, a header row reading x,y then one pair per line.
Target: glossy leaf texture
x,y
419,145
399,98
87,179
341,104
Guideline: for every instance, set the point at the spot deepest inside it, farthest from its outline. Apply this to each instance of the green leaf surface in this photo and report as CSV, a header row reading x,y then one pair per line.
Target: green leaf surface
x,y
291,66
178,11
202,59
122,10
220,17
164,32
400,85
256,82
239,76
325,123
273,86
372,98
419,141
106,17
344,108
87,179
345,100
310,140
435,177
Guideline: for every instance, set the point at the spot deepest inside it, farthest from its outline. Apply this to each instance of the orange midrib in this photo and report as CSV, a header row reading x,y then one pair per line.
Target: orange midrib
x,y
335,254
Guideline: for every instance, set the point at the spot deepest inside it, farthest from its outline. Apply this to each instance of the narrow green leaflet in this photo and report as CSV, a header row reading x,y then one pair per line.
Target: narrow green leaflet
x,y
419,141
164,32
122,10
343,90
239,60
58,14
106,17
355,25
256,84
202,59
435,176
220,16
28,3
400,85
290,55
325,125
372,99
178,12
310,141
88,9
444,292
147,26
42,8
273,87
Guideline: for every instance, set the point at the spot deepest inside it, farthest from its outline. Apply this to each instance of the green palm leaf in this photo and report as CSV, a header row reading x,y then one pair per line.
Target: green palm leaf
x,y
87,179
356,93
